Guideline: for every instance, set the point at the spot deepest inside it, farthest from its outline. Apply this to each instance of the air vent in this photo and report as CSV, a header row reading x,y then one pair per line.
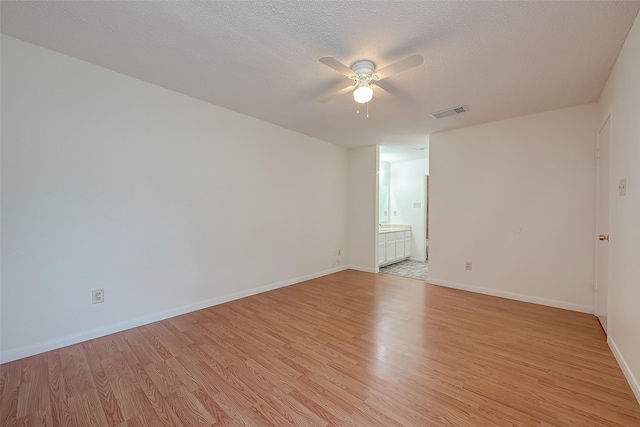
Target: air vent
x,y
450,112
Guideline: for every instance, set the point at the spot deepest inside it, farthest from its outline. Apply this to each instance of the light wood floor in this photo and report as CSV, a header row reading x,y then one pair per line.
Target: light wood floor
x,y
353,349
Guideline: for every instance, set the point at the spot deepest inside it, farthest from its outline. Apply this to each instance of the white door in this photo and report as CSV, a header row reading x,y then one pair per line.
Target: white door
x,y
407,244
390,250
381,248
399,245
602,224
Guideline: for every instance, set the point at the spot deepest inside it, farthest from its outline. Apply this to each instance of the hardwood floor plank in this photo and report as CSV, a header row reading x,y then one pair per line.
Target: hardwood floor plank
x,y
348,349
212,407
9,406
165,379
328,413
108,400
189,409
367,416
153,409
120,382
85,410
75,371
41,418
301,415
283,383
30,399
151,415
150,339
188,368
230,405
144,352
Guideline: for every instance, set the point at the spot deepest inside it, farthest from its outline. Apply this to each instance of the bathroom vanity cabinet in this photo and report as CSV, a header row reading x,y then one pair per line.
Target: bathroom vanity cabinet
x,y
394,244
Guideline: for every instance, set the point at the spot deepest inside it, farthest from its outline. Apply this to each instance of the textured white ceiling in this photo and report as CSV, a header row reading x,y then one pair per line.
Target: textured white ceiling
x,y
260,58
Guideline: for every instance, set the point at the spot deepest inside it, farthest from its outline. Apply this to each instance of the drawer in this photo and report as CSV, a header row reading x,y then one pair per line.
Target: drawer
x,y
407,234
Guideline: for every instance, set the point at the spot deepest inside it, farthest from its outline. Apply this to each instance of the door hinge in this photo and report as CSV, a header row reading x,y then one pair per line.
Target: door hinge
x,y
595,286
597,153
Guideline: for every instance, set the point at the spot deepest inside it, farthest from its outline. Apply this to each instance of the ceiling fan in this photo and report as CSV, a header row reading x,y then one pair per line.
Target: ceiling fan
x,y
364,74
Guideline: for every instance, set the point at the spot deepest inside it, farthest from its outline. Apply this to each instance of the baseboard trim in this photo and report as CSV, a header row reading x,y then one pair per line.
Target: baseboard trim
x,y
31,350
631,379
512,295
365,269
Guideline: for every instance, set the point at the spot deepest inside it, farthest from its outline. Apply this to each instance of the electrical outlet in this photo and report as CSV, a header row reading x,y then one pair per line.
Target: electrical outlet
x,y
468,265
97,296
622,187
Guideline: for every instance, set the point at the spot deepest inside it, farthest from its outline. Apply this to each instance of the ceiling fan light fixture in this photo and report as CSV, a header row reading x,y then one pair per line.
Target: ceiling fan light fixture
x,y
363,94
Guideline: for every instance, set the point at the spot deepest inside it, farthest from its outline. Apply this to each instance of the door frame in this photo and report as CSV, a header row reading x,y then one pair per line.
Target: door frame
x,y
426,216
598,245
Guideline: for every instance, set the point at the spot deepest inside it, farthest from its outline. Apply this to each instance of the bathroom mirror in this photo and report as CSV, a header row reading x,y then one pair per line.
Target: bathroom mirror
x,y
383,195
383,214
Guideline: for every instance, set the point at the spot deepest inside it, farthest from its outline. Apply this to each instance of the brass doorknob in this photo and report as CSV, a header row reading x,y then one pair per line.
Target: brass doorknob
x,y
603,237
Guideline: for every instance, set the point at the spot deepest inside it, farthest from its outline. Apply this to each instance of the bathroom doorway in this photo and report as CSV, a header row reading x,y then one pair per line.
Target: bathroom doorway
x,y
403,211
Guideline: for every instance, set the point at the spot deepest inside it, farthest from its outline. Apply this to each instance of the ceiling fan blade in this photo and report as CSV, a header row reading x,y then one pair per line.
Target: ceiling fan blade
x,y
381,93
338,93
337,65
402,65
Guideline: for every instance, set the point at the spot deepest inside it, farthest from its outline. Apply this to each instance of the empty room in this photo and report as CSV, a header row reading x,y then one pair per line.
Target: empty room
x,y
319,213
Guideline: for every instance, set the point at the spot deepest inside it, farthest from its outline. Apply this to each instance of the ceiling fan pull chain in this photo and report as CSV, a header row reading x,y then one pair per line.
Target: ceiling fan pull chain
x,y
367,110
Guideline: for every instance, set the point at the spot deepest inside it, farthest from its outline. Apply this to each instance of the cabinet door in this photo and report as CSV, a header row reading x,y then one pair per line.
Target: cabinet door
x,y
381,256
407,247
390,250
399,249
399,245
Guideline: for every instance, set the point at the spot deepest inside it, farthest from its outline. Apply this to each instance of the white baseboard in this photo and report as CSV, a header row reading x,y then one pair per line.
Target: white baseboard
x,y
514,296
365,269
633,381
30,350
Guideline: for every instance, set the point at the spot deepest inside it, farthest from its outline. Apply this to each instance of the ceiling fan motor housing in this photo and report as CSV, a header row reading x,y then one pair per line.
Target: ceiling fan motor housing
x,y
363,67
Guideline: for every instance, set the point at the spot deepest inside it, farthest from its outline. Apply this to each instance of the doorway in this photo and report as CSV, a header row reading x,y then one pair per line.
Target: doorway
x,y
402,206
602,223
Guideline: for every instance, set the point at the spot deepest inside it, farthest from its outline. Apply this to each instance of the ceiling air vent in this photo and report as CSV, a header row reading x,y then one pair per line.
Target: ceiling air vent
x,y
450,112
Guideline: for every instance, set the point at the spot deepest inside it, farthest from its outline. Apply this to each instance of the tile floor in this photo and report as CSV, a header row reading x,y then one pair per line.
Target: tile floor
x,y
412,269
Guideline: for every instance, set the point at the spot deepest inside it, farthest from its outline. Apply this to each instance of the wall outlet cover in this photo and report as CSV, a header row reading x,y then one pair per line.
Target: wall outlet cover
x,y
622,187
97,296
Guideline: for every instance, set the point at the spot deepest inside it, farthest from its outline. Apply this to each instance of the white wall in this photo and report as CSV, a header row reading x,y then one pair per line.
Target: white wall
x,y
516,198
621,99
407,188
168,203
363,208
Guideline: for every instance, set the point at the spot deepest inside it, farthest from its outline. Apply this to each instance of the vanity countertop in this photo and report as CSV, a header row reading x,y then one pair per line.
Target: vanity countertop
x,y
390,228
